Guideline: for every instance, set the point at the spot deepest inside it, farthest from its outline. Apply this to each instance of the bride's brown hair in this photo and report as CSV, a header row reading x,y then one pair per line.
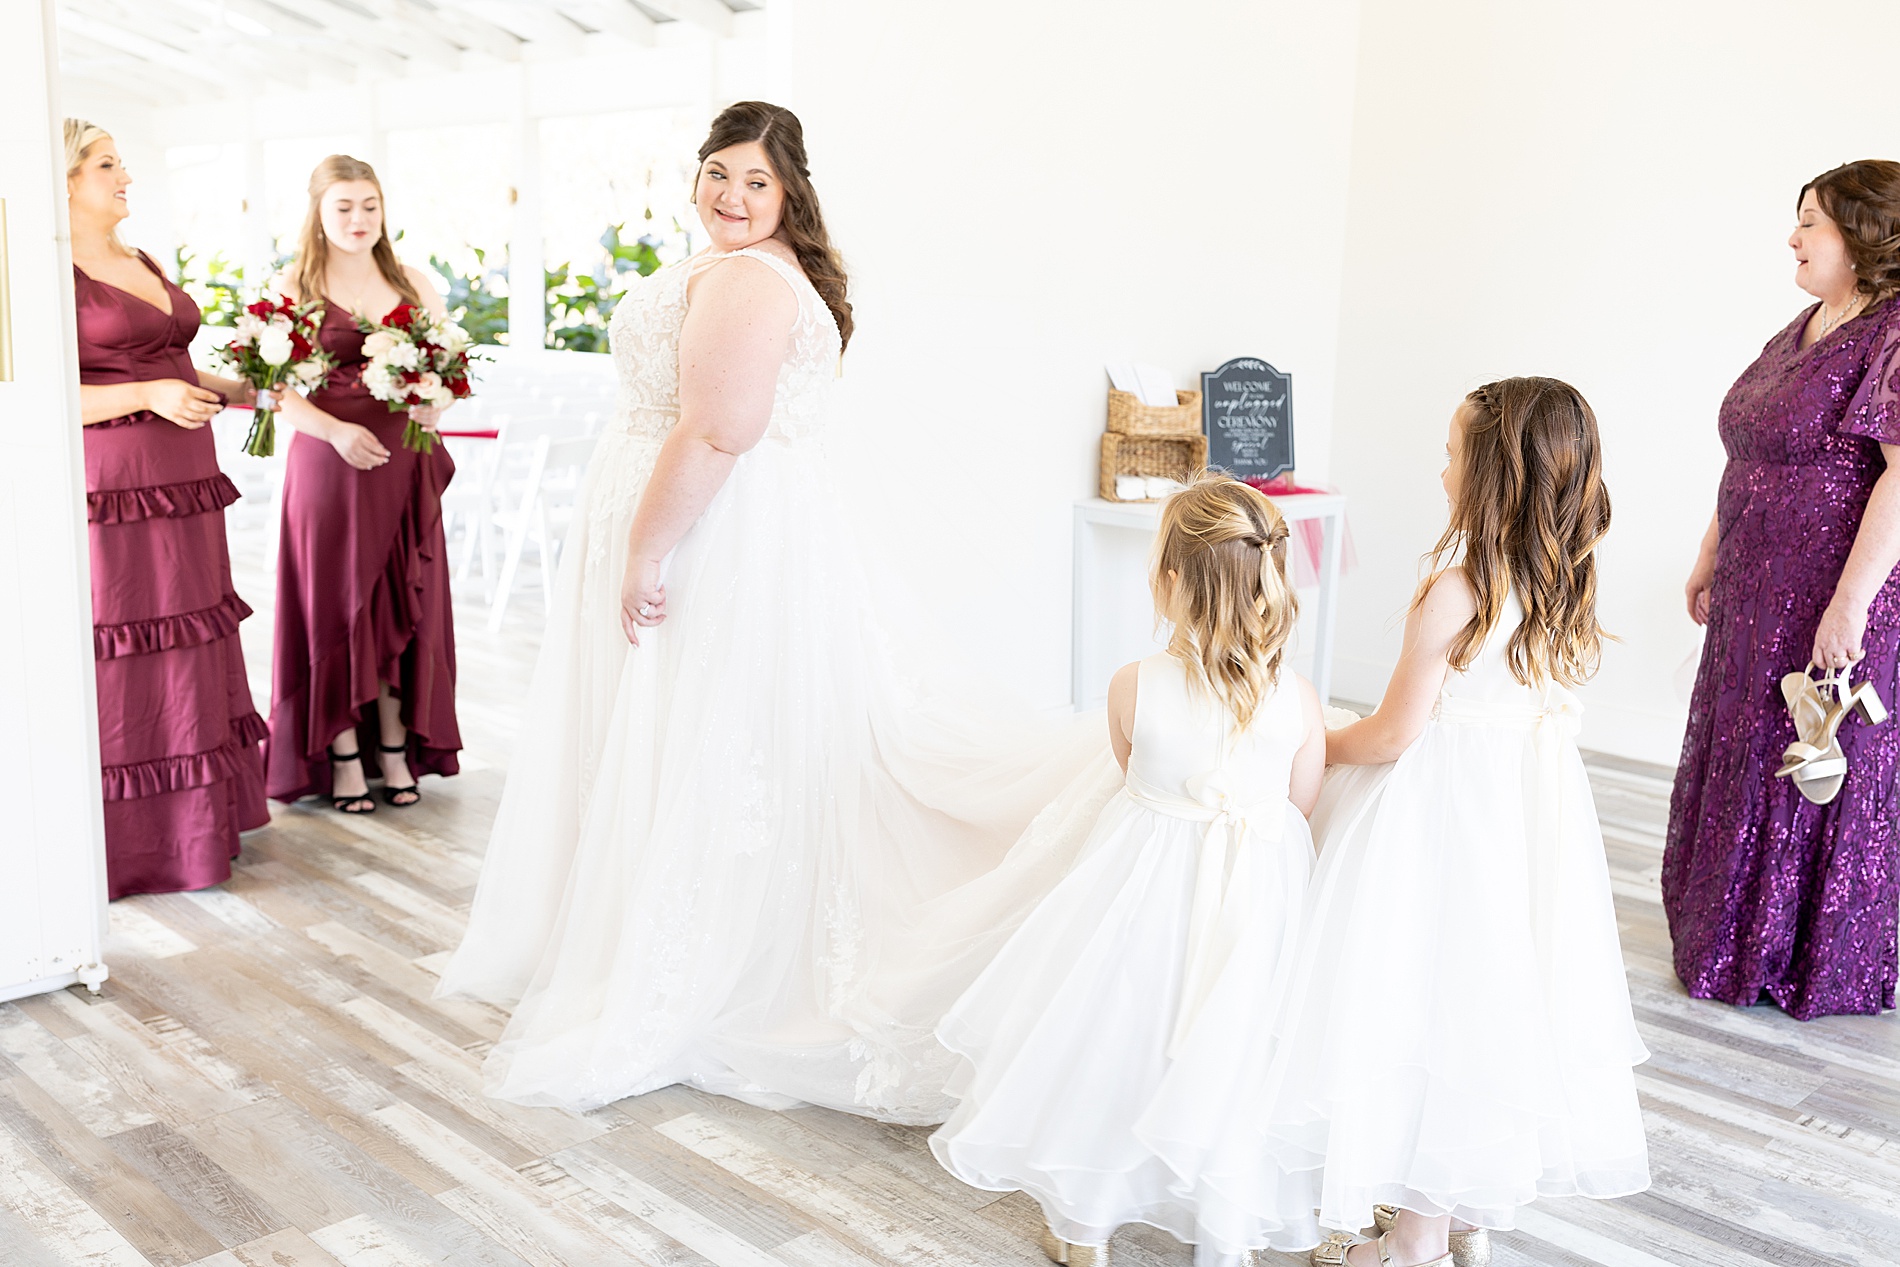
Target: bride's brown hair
x,y
313,248
801,224
1531,510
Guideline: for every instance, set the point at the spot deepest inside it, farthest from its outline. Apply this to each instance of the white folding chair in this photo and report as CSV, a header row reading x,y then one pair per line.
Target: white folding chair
x,y
549,489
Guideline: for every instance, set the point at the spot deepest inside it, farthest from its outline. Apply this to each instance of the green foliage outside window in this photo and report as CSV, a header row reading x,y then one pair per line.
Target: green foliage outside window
x,y
580,304
580,301
477,301
215,287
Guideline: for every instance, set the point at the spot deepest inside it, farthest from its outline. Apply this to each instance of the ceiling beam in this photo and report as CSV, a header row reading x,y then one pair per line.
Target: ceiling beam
x,y
534,23
411,46
145,48
458,25
614,17
709,15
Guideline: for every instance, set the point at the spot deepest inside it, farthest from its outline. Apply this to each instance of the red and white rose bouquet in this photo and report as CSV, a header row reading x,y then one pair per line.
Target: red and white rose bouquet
x,y
273,346
415,359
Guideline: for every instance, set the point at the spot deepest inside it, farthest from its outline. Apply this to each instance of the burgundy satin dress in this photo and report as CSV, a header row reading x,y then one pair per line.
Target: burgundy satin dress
x,y
178,732
362,592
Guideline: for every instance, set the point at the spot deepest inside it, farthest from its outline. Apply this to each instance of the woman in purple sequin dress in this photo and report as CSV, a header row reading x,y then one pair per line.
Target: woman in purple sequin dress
x,y
1766,893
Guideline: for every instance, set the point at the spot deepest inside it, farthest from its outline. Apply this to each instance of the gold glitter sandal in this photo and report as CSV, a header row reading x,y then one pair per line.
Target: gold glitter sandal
x,y
1332,1252
1470,1248
1069,1254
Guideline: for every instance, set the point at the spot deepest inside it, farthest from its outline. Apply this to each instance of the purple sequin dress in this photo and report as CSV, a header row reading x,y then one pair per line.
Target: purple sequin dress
x,y
1765,892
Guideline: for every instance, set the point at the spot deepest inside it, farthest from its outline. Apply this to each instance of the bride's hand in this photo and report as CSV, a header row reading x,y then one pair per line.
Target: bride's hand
x,y
642,598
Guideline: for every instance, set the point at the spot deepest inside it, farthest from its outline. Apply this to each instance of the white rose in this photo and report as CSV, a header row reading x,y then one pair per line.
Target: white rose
x,y
308,373
247,328
429,383
452,337
403,355
442,398
380,342
273,346
280,322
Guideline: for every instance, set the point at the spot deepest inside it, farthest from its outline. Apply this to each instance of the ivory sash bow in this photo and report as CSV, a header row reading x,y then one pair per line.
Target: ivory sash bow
x,y
1552,726
1223,899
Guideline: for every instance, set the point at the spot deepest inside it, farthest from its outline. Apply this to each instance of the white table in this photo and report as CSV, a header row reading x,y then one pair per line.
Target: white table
x,y
1113,615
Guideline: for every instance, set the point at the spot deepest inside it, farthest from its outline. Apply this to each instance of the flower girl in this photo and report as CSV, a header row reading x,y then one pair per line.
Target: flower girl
x,y
1456,1039
1180,909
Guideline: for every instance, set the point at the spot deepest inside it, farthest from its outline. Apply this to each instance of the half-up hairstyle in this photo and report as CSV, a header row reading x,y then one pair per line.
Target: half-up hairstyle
x,y
801,224
1531,509
80,137
1863,198
1220,574
313,248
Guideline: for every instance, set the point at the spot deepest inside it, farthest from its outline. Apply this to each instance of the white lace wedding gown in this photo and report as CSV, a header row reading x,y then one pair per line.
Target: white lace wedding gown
x,y
759,853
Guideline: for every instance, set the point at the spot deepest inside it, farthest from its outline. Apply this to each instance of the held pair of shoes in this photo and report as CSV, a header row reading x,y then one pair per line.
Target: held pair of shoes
x,y
1815,761
361,803
1470,1248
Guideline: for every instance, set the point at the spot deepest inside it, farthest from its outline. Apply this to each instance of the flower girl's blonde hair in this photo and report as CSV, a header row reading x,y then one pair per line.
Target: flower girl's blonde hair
x,y
1220,574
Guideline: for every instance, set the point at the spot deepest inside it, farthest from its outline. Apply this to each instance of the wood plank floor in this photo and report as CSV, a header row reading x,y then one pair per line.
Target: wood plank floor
x,y
266,1082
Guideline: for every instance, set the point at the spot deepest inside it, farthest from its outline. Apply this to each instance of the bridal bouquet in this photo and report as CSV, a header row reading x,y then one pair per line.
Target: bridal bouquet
x,y
415,358
274,345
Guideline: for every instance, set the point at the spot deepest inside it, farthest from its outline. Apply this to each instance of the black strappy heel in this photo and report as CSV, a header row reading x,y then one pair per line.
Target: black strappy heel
x,y
413,791
362,802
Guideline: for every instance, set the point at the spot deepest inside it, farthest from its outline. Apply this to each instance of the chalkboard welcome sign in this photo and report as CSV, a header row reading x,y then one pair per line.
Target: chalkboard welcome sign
x,y
1247,412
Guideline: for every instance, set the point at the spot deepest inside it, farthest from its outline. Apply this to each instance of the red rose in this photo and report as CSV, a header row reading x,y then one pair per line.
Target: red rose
x,y
401,316
299,346
262,308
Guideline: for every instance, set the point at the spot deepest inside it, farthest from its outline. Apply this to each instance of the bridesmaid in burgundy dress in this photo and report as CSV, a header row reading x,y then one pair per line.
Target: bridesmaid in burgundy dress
x,y
1768,895
365,644
178,732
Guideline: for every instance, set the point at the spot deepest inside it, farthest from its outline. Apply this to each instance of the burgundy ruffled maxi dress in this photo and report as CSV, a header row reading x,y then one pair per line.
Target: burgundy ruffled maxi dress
x,y
1765,893
362,592
178,731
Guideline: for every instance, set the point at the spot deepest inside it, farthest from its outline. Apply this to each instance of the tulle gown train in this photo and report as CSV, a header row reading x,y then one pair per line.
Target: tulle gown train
x,y
737,856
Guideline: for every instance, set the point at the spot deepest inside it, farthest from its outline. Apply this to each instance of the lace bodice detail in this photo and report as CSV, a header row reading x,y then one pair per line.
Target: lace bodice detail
x,y
645,338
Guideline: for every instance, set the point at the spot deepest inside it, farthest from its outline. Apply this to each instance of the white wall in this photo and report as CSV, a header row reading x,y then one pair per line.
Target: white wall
x,y
52,853
1599,193
1022,191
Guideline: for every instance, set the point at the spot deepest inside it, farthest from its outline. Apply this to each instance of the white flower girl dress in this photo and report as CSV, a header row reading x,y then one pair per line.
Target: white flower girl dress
x,y
1183,902
1456,1035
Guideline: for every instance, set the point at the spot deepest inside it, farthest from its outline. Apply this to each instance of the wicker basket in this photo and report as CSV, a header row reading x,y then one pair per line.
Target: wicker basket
x,y
1176,457
1128,416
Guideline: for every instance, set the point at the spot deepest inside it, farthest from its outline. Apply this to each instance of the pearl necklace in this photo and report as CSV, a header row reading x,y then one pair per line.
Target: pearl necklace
x,y
1827,324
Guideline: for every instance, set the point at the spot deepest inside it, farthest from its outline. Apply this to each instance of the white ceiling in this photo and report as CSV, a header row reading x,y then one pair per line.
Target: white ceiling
x,y
193,50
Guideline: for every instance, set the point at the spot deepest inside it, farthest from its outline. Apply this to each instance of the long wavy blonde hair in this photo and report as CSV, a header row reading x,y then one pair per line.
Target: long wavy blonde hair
x,y
1220,574
313,248
1531,510
80,137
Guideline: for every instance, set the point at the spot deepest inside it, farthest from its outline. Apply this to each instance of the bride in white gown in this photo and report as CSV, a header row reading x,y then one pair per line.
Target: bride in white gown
x,y
754,836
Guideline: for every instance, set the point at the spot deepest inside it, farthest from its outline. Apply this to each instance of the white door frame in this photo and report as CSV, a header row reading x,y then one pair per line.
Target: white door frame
x,y
52,829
